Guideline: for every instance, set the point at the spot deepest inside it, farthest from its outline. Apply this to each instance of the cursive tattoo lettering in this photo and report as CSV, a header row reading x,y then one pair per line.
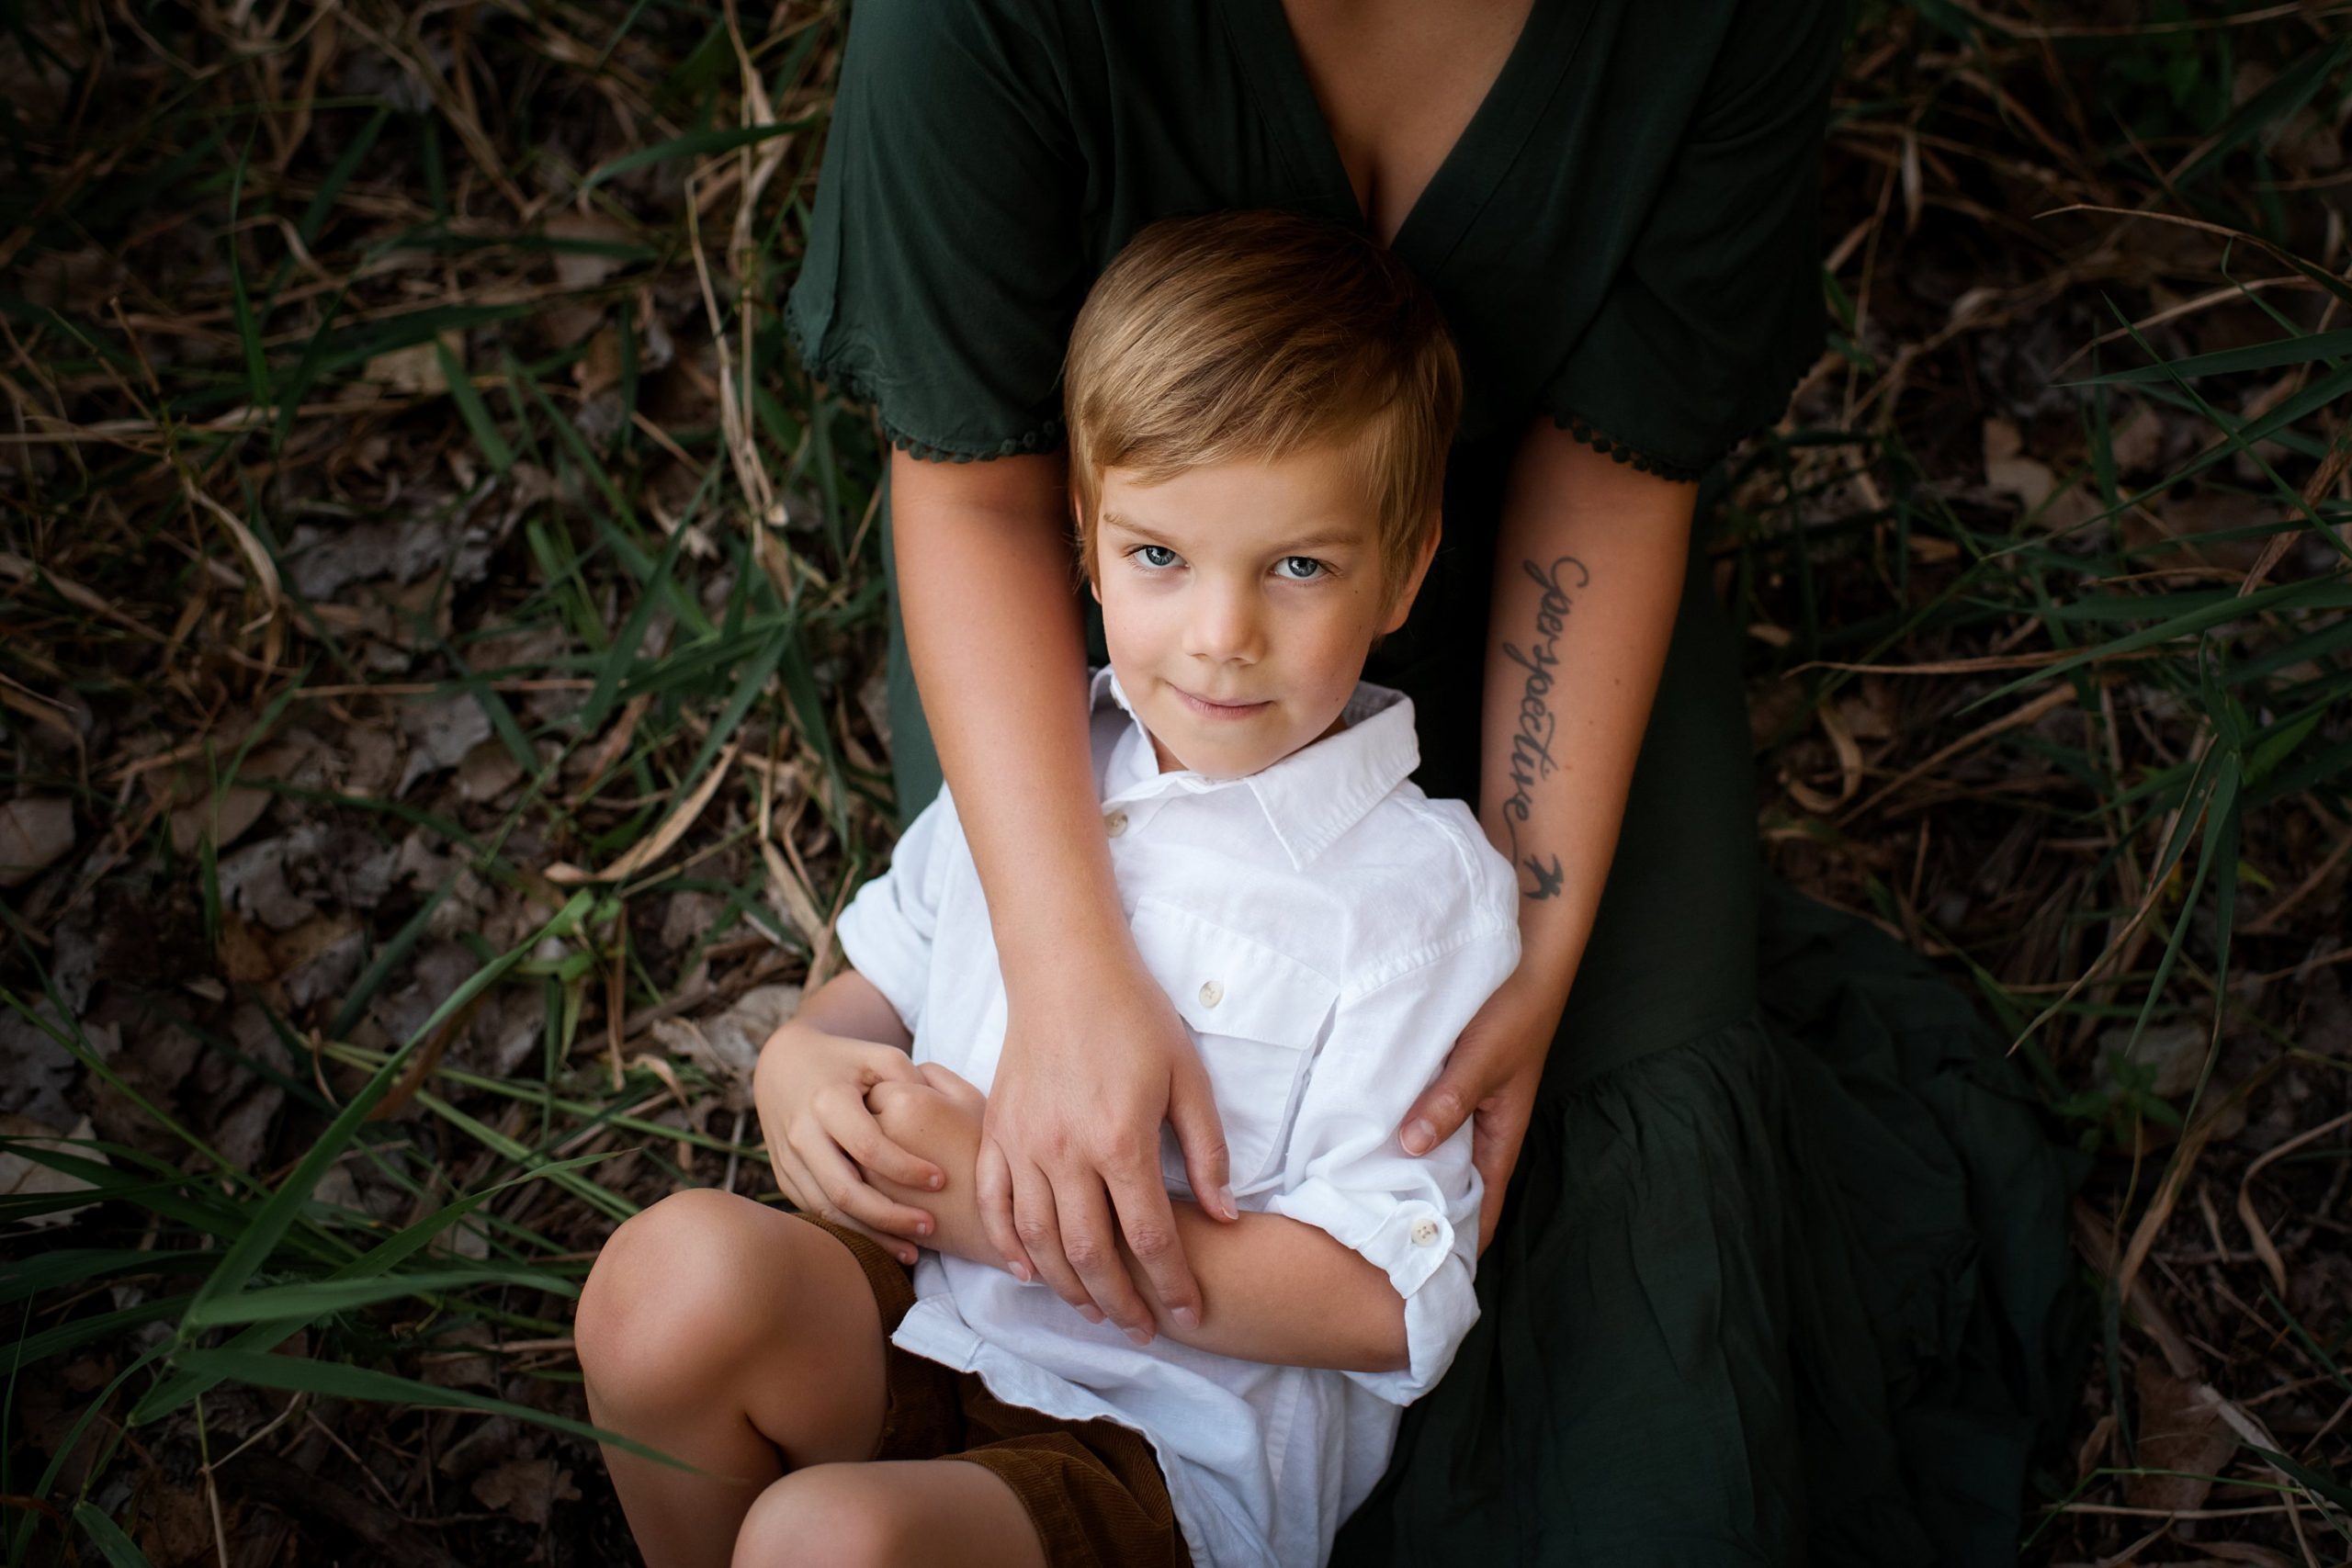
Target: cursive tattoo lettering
x,y
1531,744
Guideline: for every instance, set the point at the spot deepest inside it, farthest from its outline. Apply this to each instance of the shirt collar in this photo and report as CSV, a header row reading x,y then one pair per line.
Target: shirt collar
x,y
1310,797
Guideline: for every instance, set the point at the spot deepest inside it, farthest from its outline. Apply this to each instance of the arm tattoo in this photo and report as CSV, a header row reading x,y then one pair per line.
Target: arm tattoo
x,y
1530,745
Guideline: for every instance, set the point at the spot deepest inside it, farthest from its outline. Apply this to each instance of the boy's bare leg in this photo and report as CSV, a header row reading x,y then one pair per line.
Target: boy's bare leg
x,y
891,1514
738,1338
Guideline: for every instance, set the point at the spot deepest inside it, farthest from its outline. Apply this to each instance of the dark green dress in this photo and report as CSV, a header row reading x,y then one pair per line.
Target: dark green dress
x,y
1782,1263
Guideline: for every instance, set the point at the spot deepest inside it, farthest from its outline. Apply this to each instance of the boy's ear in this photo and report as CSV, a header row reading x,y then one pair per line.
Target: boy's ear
x,y
1402,605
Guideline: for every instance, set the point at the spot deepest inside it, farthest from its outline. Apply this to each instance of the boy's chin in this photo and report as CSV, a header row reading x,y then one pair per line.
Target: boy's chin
x,y
1217,763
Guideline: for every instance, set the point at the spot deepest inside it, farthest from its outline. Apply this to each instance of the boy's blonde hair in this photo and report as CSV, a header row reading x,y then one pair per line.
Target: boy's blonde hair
x,y
1251,335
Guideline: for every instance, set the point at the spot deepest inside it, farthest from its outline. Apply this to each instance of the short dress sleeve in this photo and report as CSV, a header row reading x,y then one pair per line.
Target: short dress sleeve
x,y
944,265
1717,309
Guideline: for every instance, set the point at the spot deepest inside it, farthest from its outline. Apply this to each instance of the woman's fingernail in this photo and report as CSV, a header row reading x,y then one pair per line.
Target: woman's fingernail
x,y
922,1228
1224,1201
1185,1317
1419,1134
1092,1314
1020,1270
1140,1336
910,1258
937,1181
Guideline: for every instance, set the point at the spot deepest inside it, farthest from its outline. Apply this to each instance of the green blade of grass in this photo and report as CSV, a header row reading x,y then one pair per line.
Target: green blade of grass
x,y
294,1374
107,1537
2254,356
248,331
182,1384
473,410
696,144
80,1331
2319,593
23,1278
252,1249
274,1303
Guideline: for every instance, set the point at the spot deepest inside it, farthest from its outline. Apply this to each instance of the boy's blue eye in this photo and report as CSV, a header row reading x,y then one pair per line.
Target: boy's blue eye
x,y
1301,568
1156,555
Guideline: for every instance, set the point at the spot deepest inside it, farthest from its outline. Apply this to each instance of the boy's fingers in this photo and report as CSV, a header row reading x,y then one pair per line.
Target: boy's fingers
x,y
1090,1242
801,1189
901,1250
859,1133
791,1177
992,1184
947,1082
1148,1219
846,1197
1200,1133
886,1062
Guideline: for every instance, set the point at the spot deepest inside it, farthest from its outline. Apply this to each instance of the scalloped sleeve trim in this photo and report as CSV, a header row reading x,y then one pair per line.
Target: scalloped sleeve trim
x,y
853,384
1643,460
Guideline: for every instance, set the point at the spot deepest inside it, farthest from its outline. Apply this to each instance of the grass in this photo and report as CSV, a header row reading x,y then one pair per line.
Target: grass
x,y
452,623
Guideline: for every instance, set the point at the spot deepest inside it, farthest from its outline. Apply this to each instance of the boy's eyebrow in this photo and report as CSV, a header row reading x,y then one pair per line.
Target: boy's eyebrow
x,y
1114,520
1323,540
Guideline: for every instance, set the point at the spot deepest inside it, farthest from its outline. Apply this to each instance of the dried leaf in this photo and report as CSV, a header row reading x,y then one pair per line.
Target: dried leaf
x,y
35,834
2181,1428
2176,1050
726,1046
527,1488
21,1176
414,370
656,844
224,820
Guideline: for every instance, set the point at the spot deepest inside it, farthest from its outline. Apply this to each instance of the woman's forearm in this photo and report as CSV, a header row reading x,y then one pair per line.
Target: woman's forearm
x,y
1589,570
1095,1059
993,631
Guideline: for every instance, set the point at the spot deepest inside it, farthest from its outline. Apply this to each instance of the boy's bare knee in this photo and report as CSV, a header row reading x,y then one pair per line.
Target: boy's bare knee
x,y
836,1515
668,1299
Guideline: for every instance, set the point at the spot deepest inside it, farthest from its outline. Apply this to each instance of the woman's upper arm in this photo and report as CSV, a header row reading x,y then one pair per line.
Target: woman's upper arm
x,y
1717,307
943,264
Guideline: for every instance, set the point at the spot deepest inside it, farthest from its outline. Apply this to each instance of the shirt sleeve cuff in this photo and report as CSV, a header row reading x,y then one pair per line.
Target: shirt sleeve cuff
x,y
883,945
1429,1262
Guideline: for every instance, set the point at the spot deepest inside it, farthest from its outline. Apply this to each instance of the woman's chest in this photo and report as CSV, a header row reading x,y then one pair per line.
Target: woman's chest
x,y
1397,83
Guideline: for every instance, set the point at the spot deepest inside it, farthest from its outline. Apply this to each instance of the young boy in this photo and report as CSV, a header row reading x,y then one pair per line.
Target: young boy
x,y
1259,406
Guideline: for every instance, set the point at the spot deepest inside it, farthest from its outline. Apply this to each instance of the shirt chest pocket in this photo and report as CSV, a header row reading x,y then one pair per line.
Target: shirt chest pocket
x,y
1257,1017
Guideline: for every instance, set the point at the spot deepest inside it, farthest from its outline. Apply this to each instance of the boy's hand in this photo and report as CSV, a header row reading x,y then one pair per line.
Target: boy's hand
x,y
810,1088
939,1119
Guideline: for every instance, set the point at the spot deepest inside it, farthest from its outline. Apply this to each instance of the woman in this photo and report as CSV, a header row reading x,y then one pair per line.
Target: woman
x,y
1749,1299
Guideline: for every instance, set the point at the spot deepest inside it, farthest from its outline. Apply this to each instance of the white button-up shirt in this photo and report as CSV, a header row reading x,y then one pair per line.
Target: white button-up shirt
x,y
1326,930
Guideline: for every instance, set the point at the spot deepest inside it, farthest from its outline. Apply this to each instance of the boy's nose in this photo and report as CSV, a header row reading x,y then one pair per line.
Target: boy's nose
x,y
1224,627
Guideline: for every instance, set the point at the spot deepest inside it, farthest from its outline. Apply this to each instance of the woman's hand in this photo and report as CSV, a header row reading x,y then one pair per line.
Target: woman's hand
x,y
810,1089
1094,1061
1492,1075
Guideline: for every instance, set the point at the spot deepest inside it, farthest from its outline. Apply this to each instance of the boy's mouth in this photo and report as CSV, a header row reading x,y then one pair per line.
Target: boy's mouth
x,y
1208,709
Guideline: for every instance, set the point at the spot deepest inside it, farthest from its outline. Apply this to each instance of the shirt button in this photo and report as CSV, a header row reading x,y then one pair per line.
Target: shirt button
x,y
1211,993
1424,1232
1115,823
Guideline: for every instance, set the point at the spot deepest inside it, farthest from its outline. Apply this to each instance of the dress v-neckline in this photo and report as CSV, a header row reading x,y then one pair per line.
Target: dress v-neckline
x,y
1497,130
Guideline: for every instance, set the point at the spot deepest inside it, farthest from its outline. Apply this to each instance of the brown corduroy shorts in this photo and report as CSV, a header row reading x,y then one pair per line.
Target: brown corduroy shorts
x,y
1092,1488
